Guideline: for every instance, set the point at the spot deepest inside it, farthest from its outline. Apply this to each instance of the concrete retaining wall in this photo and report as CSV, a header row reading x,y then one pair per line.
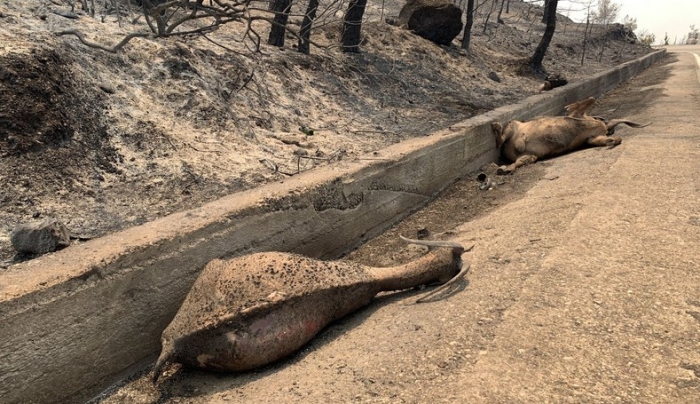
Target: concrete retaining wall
x,y
75,321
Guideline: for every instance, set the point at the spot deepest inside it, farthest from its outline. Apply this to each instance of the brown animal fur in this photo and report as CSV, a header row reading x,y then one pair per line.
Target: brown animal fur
x,y
524,143
255,309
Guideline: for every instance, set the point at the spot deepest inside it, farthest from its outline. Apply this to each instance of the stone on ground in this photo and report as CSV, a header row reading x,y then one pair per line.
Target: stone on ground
x,y
40,237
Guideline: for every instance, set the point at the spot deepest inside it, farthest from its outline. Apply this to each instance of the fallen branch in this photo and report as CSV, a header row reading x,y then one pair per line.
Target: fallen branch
x,y
338,154
274,167
374,131
66,14
202,151
292,142
223,46
113,49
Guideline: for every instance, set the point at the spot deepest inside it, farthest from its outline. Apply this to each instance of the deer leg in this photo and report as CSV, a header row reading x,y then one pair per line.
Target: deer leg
x,y
500,134
521,161
579,109
602,140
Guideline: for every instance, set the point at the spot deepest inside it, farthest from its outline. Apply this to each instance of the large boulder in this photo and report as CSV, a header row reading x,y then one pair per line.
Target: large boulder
x,y
40,238
439,21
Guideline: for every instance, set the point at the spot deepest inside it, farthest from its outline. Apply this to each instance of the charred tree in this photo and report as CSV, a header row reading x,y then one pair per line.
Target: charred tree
x,y
500,12
585,36
545,14
488,16
305,30
538,56
279,25
468,26
352,24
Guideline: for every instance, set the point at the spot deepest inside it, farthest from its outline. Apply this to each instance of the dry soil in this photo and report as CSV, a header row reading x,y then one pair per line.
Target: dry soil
x,y
104,141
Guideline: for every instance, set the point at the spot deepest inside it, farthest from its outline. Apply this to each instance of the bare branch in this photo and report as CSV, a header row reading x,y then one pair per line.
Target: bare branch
x,y
113,49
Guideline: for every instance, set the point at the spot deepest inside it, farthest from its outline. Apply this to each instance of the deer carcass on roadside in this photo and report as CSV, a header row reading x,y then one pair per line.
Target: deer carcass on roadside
x,y
258,308
522,143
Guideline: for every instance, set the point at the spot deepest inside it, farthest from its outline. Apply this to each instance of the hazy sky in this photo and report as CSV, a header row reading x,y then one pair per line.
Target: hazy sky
x,y
658,17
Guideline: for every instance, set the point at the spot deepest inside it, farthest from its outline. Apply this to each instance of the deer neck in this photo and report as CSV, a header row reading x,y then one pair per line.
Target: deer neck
x,y
436,265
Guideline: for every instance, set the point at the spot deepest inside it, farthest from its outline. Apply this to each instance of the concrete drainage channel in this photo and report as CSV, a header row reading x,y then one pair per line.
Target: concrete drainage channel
x,y
78,320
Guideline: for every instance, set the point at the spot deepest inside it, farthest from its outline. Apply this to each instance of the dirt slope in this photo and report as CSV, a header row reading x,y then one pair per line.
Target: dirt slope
x,y
104,141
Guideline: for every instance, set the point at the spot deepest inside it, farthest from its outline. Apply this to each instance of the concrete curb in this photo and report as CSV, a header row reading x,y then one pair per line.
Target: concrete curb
x,y
77,320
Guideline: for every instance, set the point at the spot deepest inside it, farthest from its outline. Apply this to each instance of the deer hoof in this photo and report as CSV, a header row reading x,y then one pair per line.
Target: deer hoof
x,y
504,170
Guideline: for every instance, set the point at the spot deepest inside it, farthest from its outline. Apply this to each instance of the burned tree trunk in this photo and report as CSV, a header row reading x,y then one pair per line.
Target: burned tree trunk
x,y
545,14
538,56
488,16
500,12
468,27
279,26
585,37
352,24
305,30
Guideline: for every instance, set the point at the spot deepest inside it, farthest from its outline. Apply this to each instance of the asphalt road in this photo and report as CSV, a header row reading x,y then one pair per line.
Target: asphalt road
x,y
584,290
692,49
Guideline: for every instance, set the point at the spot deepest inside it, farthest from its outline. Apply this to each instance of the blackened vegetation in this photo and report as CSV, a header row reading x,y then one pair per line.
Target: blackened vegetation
x,y
51,124
42,107
34,98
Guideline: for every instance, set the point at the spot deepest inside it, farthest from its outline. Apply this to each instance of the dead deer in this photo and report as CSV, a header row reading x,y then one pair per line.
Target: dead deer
x,y
255,309
524,143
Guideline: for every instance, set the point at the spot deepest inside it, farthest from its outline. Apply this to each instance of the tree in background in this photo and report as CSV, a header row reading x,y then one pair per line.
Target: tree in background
x,y
468,26
488,15
538,56
606,14
630,23
498,19
645,38
305,30
693,36
281,9
352,24
545,14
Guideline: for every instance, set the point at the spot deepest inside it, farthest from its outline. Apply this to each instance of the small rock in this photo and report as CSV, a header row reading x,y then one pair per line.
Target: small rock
x,y
423,234
494,76
107,88
66,14
39,238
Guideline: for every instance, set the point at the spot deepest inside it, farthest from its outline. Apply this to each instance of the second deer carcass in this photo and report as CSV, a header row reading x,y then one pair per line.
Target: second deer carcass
x,y
258,308
522,143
